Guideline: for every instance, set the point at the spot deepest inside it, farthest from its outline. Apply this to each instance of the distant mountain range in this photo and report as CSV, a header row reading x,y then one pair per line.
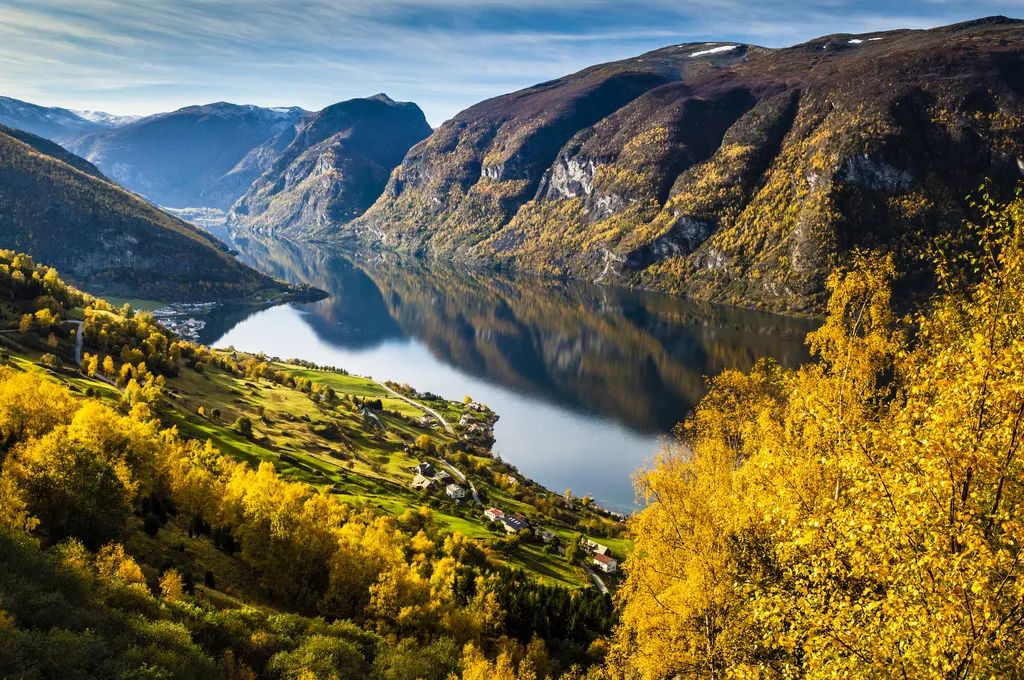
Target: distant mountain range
x,y
180,159
60,209
331,167
60,125
289,170
723,171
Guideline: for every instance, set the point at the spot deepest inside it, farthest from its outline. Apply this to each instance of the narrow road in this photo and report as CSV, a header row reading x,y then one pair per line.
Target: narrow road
x,y
422,407
79,342
595,578
461,475
79,339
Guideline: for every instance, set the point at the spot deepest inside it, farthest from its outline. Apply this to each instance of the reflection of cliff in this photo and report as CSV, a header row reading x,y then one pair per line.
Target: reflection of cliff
x,y
634,357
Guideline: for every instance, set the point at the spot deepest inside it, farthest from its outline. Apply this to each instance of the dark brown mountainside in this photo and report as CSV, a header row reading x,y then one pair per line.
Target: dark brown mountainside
x,y
723,171
61,210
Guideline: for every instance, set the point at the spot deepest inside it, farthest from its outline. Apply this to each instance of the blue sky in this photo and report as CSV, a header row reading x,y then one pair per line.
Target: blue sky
x,y
144,56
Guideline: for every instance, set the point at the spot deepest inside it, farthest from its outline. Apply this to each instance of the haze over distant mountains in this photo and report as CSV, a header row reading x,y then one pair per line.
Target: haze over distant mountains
x,y
324,167
178,159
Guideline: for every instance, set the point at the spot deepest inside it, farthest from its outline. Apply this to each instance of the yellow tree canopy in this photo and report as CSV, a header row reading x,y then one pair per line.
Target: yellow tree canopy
x,y
860,516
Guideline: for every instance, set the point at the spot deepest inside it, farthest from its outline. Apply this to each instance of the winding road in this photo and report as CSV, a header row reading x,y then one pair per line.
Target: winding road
x,y
79,339
422,407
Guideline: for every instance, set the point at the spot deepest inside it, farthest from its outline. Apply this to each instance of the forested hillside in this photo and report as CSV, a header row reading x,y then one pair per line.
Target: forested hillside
x,y
60,209
171,511
858,517
853,517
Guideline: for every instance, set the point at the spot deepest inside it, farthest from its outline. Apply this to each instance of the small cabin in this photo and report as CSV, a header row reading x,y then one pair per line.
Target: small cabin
x,y
455,492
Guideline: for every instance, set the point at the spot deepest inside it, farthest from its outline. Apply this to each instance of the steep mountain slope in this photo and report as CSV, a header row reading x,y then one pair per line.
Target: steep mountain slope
x,y
61,210
723,171
329,169
177,159
60,125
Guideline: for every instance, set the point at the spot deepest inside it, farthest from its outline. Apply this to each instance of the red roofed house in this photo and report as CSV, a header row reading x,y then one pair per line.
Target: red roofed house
x,y
606,564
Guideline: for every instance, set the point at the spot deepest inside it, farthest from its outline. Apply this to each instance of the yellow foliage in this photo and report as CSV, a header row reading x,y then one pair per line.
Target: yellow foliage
x,y
858,517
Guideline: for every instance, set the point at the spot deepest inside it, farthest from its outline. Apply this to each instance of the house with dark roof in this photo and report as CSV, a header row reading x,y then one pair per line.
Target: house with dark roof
x,y
513,525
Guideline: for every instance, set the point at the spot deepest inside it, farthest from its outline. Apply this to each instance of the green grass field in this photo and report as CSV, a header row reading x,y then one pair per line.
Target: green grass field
x,y
363,465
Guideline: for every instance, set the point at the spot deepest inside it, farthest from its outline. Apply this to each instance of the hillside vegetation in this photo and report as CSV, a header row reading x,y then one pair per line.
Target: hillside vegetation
x,y
855,517
60,209
171,511
860,516
725,172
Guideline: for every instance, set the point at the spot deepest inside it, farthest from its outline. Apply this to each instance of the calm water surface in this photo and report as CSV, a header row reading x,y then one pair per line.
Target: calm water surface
x,y
588,380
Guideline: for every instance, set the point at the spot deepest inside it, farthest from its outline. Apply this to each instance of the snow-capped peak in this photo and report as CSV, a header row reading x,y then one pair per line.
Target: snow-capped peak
x,y
104,118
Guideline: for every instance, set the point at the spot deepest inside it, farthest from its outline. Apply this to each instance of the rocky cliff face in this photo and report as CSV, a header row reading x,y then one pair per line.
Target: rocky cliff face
x,y
726,172
330,168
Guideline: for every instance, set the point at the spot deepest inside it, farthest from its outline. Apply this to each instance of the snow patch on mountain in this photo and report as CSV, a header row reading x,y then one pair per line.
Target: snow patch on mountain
x,y
714,50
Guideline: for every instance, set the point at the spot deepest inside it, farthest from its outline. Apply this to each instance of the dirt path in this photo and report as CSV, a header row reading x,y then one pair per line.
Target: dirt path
x,y
79,339
595,578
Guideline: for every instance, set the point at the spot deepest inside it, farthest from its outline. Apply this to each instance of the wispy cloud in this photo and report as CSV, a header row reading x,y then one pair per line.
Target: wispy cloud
x,y
142,57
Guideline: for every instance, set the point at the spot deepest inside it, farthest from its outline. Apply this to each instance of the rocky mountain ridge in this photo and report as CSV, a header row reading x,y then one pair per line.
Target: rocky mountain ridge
x,y
722,171
329,168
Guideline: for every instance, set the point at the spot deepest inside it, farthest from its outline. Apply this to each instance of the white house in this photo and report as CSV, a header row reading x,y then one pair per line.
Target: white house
x,y
455,491
606,564
493,514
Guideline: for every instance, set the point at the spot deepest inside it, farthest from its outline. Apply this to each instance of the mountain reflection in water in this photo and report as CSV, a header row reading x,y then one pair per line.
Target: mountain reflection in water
x,y
585,378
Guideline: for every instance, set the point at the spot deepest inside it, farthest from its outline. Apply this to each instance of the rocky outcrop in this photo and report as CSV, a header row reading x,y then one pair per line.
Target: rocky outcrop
x,y
740,175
